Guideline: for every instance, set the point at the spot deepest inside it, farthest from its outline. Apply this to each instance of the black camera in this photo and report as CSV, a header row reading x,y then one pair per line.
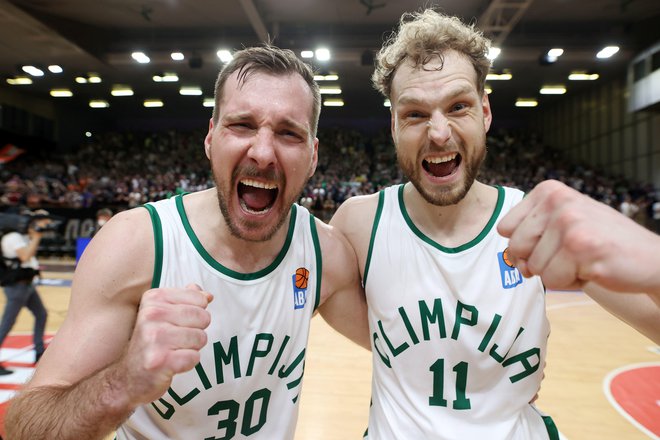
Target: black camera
x,y
22,222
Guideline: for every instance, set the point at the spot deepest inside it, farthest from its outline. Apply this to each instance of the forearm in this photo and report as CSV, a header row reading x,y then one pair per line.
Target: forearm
x,y
88,410
639,310
30,250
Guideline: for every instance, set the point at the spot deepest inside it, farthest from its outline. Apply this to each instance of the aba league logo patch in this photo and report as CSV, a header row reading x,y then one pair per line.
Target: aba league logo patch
x,y
510,274
299,280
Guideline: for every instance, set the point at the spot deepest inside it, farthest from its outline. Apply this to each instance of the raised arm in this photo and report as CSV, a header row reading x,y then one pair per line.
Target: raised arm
x,y
118,346
575,242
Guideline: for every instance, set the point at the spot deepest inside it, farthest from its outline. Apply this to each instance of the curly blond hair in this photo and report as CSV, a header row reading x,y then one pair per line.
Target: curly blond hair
x,y
427,34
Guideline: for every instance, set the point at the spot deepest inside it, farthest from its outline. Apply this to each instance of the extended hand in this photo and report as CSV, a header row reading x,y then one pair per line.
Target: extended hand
x,y
570,239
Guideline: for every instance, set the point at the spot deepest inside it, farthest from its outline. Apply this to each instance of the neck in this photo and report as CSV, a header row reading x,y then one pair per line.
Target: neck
x,y
452,225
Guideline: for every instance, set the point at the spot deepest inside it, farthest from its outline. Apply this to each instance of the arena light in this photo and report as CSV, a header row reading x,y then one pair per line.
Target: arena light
x,y
499,76
583,76
166,77
552,90
333,103
607,52
330,90
32,70
94,78
98,103
190,91
555,52
151,103
177,56
488,90
19,81
493,53
224,55
330,77
322,54
209,102
61,93
140,57
54,68
526,102
121,91
387,103
81,80
307,54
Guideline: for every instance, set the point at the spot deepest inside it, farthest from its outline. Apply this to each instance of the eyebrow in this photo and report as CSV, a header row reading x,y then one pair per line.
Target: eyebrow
x,y
452,94
286,122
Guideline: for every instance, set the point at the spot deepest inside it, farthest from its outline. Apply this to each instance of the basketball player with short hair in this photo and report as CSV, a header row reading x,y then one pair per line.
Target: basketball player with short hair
x,y
189,319
458,334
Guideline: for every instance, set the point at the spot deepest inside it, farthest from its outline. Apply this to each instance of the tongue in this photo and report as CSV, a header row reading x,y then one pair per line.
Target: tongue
x,y
441,169
257,199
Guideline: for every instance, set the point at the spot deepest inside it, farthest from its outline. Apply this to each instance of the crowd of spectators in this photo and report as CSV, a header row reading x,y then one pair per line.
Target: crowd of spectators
x,y
124,170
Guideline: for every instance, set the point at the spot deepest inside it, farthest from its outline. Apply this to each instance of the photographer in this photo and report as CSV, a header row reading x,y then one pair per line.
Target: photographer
x,y
19,281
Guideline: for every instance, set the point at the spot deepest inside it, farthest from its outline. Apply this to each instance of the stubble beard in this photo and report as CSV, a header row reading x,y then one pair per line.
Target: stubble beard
x,y
444,196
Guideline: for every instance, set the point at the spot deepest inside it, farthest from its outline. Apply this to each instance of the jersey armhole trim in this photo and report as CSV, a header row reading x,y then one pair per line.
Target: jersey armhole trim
x,y
158,242
553,432
319,260
372,240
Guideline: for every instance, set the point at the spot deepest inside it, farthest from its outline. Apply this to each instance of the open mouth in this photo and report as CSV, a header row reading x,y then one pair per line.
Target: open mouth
x,y
256,197
442,166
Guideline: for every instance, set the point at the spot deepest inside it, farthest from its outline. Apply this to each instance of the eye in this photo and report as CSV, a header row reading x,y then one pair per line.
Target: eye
x,y
460,107
414,115
291,135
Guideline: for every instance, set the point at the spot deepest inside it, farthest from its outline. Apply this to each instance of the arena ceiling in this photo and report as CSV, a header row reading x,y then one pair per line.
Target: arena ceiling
x,y
99,36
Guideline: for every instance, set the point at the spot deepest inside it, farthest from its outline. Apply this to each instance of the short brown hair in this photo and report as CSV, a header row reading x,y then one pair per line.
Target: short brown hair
x,y
272,60
427,34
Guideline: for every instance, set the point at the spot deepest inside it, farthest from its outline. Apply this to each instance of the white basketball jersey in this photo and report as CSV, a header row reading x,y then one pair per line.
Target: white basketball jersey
x,y
248,382
458,335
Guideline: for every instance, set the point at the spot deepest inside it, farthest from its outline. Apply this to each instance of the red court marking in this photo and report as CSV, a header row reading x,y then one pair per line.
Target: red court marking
x,y
16,341
634,390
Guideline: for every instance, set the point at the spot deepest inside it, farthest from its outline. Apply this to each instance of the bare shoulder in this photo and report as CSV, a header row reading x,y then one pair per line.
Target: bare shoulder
x,y
355,219
121,255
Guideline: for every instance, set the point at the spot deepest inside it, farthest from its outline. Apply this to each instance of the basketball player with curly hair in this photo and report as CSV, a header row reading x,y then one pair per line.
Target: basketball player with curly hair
x,y
458,334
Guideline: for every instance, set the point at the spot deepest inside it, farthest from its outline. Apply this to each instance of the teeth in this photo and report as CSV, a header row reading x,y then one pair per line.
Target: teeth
x,y
441,159
252,211
257,184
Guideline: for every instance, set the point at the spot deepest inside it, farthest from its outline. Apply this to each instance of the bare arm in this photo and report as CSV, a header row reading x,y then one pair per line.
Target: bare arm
x,y
118,347
344,305
353,219
575,242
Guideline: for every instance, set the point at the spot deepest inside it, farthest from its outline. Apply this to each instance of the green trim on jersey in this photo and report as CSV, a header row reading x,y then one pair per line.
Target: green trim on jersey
x,y
158,242
463,247
553,432
319,260
225,270
379,212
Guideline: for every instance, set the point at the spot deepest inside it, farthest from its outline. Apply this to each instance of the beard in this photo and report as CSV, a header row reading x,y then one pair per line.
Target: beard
x,y
444,196
248,230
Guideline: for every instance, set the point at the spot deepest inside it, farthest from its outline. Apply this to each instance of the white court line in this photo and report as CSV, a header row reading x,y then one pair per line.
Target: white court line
x,y
606,389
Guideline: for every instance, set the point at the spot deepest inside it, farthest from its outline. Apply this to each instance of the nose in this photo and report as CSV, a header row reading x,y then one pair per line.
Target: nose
x,y
439,129
262,148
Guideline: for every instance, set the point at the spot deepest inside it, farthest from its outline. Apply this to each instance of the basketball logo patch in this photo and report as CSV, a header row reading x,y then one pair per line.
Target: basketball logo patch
x,y
299,280
509,273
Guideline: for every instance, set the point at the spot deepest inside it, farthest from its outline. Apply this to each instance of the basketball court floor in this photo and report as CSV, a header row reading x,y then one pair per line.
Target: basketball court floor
x,y
602,379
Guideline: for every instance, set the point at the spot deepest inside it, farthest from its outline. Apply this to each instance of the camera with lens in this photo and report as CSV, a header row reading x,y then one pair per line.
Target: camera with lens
x,y
21,223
